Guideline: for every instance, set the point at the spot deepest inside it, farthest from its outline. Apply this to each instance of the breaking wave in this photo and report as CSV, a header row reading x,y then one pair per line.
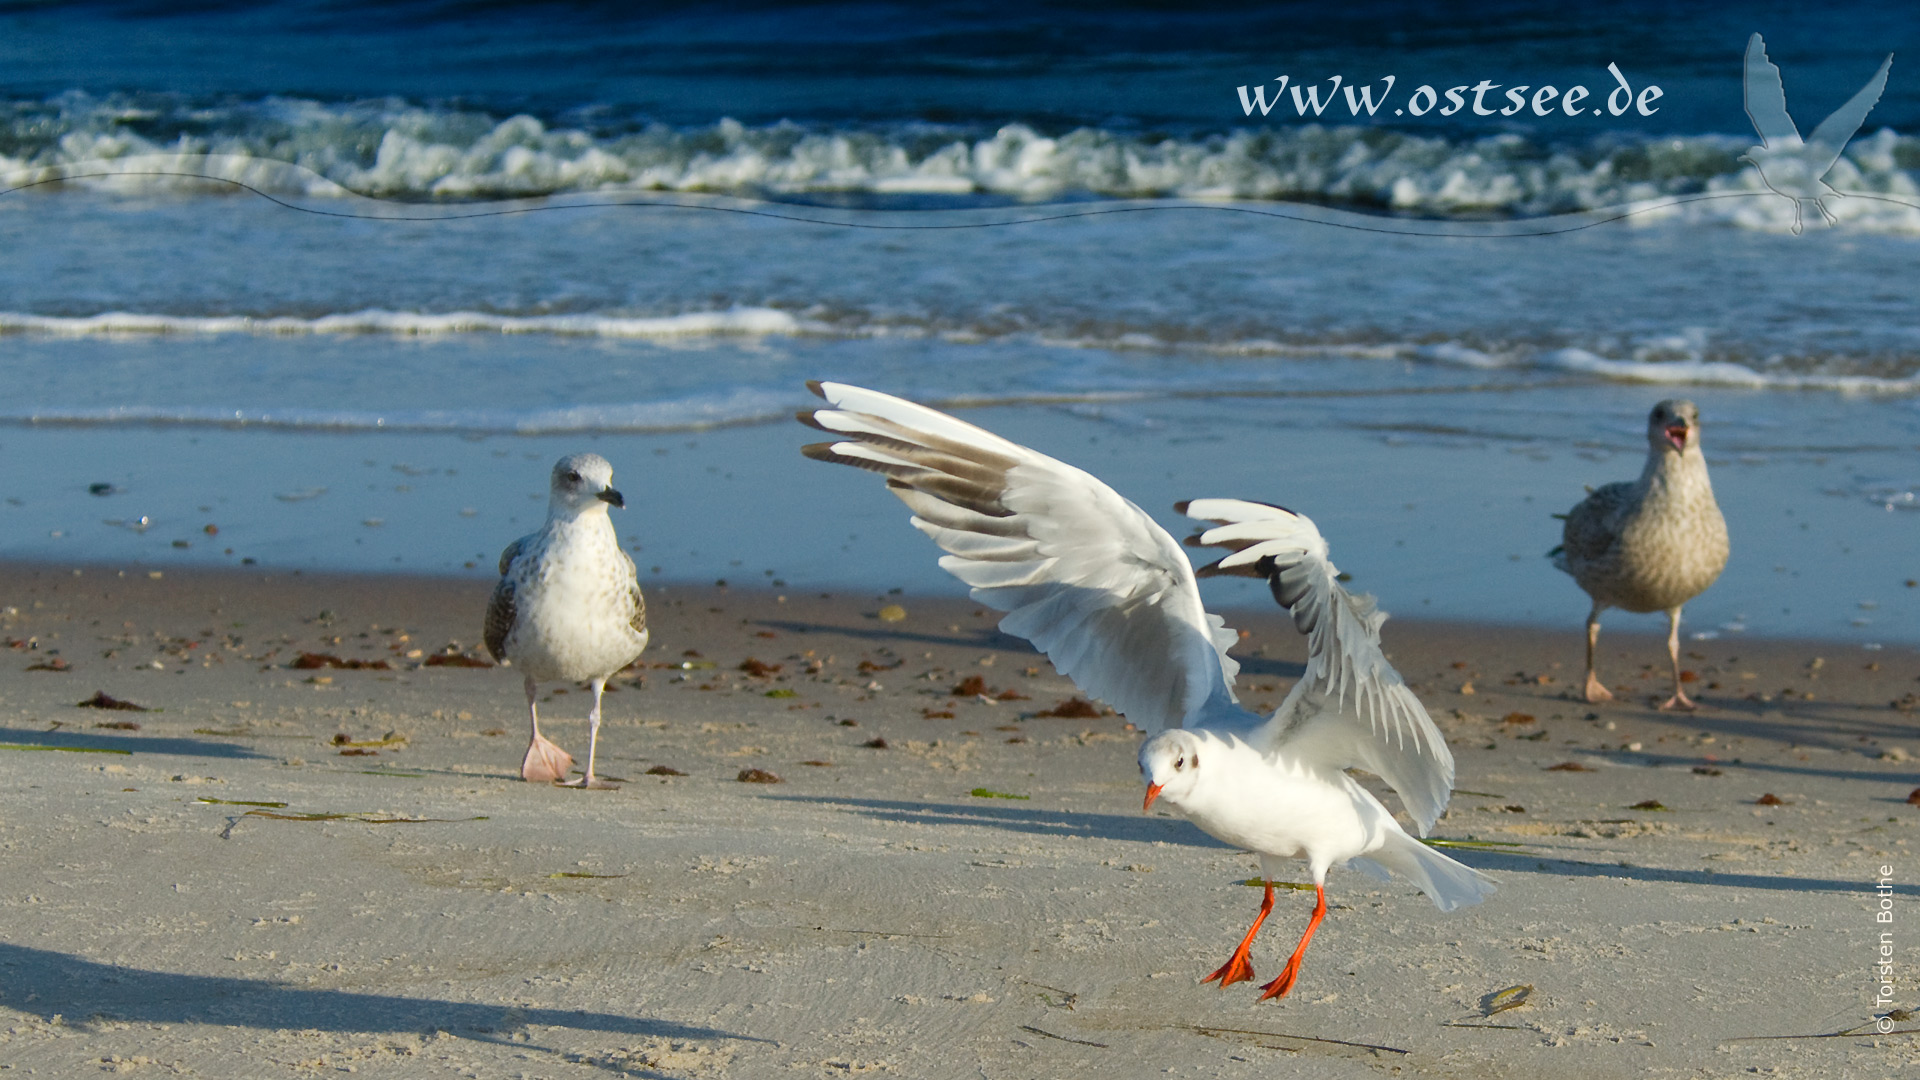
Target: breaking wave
x,y
393,149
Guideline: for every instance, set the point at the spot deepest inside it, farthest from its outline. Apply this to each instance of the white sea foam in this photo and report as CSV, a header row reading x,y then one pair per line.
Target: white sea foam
x,y
689,413
734,321
393,149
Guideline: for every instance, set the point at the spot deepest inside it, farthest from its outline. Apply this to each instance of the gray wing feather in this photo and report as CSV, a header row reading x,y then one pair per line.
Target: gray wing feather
x,y
500,609
500,616
1593,527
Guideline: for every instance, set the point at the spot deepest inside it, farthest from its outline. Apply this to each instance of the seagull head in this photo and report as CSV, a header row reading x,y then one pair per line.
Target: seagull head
x,y
1170,764
1674,425
583,482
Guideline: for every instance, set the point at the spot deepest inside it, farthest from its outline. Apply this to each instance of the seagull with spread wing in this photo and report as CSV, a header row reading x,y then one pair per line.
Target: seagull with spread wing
x,y
1789,166
1113,601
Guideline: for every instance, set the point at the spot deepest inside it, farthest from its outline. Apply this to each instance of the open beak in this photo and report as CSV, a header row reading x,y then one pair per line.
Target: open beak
x,y
612,498
1677,435
1153,792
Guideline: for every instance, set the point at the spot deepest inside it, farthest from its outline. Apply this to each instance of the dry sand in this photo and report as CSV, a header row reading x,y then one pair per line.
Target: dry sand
x,y
873,913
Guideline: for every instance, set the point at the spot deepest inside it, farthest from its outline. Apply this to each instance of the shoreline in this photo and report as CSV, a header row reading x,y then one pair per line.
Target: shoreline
x,y
317,867
1251,606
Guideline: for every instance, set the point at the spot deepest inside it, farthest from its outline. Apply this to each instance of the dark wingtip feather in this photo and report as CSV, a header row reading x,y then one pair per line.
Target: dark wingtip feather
x,y
1181,506
808,417
820,451
818,390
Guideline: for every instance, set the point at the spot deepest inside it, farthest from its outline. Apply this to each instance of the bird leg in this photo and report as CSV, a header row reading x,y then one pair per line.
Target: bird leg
x,y
1679,700
1238,968
544,762
1280,986
593,742
1596,690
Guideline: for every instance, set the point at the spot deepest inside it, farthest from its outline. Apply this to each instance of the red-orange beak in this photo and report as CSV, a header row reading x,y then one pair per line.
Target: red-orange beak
x,y
1153,792
1677,435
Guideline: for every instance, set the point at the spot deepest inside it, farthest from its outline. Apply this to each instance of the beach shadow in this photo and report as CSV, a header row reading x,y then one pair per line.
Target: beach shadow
x,y
987,637
1502,862
1176,831
46,983
996,815
1729,767
133,744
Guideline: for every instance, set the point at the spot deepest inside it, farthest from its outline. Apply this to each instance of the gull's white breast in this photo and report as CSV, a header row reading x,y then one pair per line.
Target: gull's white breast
x,y
574,597
1275,806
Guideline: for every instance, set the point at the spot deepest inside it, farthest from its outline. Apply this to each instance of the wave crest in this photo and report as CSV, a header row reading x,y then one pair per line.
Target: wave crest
x,y
394,149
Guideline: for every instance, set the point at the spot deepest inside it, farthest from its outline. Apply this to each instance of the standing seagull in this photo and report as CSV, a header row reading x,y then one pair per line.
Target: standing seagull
x,y
568,606
1111,599
1652,544
1789,166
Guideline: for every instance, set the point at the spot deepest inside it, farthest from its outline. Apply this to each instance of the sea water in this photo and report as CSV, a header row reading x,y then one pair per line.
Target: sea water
x,y
343,314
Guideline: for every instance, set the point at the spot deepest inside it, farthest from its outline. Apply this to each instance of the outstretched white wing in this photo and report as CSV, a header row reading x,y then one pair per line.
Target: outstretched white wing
x,y
1081,572
1350,709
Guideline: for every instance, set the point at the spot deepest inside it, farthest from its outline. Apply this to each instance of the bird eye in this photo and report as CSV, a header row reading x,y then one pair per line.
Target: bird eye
x,y
1180,763
573,478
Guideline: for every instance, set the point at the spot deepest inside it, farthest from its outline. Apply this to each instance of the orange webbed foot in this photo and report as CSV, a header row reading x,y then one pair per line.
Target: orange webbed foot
x,y
1282,985
1238,969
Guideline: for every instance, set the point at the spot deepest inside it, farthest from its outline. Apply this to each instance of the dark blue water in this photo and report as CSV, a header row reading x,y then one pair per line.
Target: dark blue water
x,y
1057,66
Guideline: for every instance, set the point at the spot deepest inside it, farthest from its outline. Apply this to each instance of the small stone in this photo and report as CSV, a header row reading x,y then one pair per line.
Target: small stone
x,y
893,613
757,776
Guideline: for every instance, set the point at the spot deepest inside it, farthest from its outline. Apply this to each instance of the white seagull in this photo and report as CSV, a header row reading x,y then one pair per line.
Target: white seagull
x,y
1789,166
1650,544
568,606
1112,600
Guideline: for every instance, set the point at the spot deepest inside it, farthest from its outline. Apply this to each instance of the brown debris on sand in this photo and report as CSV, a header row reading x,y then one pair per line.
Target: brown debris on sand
x,y
1074,708
102,700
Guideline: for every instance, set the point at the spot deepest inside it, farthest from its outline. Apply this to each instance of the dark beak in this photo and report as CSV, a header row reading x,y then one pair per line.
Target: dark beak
x,y
612,498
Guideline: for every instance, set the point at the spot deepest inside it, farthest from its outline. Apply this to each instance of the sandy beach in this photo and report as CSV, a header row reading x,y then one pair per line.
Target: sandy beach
x,y
283,869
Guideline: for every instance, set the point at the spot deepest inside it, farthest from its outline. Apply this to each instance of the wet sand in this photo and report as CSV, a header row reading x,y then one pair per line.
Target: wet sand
x,y
286,871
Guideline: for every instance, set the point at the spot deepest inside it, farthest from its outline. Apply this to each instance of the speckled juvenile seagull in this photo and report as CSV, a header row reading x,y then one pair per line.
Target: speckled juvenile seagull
x,y
568,606
1651,544
1111,599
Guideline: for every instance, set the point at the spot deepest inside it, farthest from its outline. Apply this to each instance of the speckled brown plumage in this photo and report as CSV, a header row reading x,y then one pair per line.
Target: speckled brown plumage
x,y
1651,544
